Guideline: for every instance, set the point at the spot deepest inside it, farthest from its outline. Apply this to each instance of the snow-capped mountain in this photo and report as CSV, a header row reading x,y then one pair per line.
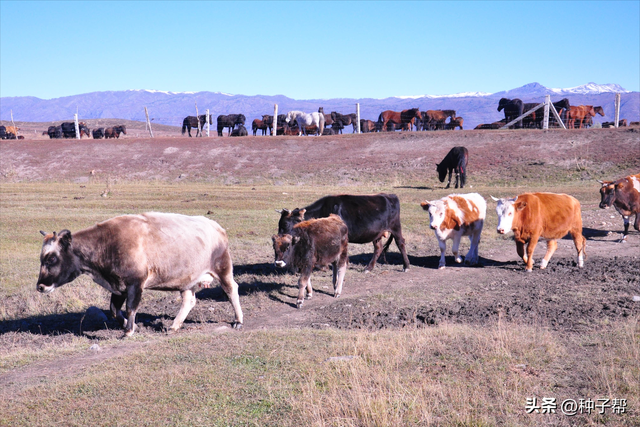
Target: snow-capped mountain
x,y
591,88
170,108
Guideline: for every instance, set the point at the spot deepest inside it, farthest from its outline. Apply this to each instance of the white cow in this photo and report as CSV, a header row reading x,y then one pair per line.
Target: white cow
x,y
455,216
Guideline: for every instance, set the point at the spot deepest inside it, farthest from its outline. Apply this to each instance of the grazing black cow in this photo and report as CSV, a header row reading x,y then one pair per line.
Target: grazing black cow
x,y
456,160
239,131
344,120
314,243
191,122
230,121
368,218
98,133
513,108
337,127
3,132
55,132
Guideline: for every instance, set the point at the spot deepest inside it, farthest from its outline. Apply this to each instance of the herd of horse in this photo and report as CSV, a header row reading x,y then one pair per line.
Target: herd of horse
x,y
68,130
318,123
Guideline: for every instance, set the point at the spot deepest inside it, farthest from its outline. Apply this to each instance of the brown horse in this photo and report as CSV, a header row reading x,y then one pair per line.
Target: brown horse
x,y
434,119
259,124
581,114
404,118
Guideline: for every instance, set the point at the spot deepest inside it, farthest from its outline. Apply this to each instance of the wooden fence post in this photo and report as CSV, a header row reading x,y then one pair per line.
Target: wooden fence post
x,y
75,116
207,119
198,121
13,124
274,132
547,101
358,117
146,113
617,117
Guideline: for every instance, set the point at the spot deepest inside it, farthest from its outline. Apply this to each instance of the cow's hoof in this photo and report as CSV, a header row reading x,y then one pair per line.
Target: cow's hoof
x,y
237,325
309,296
336,295
459,260
441,267
404,270
528,270
299,303
171,331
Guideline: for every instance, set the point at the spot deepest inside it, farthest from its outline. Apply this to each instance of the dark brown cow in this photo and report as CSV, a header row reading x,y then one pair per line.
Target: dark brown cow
x,y
130,253
314,243
624,195
548,215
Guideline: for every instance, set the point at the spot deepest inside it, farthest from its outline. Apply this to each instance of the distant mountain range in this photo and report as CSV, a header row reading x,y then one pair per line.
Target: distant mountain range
x,y
171,107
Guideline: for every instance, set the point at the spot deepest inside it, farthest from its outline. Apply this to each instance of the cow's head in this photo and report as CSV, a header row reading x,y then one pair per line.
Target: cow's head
x,y
283,247
442,171
438,217
289,218
608,193
57,262
506,210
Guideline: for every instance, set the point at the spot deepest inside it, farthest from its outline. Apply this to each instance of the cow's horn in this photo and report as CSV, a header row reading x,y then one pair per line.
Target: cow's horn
x,y
601,182
43,233
495,199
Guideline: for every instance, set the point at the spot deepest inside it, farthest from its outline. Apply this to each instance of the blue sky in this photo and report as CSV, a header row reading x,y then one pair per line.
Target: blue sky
x,y
310,50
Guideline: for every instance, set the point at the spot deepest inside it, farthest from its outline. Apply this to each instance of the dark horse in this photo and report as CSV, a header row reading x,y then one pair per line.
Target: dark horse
x,y
191,122
513,108
344,120
399,118
230,121
456,159
561,107
268,121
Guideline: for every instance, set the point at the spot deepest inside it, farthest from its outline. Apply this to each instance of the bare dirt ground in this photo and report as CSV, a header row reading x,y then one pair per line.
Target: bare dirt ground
x,y
562,297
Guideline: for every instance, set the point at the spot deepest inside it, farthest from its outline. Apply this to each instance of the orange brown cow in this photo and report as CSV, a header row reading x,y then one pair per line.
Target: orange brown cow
x,y
548,215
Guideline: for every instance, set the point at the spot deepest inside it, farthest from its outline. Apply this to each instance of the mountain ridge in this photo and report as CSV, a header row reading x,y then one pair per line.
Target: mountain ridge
x,y
170,108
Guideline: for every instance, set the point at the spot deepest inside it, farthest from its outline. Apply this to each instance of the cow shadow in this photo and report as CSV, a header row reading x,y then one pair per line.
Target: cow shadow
x,y
428,262
79,324
591,233
410,187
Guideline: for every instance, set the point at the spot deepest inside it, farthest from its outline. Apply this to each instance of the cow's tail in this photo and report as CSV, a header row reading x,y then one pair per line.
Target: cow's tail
x,y
184,127
385,248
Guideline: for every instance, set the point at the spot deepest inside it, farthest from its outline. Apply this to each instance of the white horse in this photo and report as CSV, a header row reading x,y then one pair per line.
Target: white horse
x,y
305,120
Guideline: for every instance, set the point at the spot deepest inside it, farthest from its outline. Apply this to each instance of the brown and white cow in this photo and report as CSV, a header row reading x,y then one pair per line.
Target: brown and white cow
x,y
130,253
548,215
624,195
455,216
314,243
